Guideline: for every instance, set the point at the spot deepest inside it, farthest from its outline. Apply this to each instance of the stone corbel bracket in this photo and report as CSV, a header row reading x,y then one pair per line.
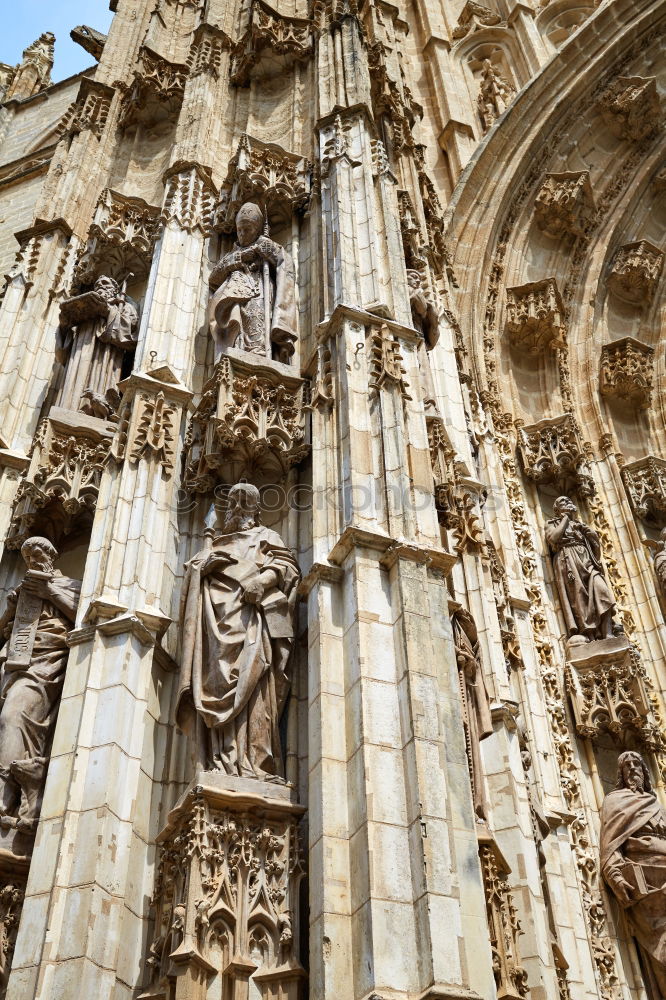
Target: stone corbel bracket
x,y
290,37
607,689
552,454
535,316
156,91
68,457
645,483
263,172
626,372
631,107
121,239
635,271
249,424
564,204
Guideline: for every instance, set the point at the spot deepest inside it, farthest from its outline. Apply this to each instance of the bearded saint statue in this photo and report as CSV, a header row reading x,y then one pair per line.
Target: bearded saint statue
x,y
39,615
254,306
633,861
586,599
238,630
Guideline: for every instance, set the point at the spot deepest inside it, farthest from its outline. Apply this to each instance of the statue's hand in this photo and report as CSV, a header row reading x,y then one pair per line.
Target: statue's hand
x,y
254,591
622,889
40,588
215,561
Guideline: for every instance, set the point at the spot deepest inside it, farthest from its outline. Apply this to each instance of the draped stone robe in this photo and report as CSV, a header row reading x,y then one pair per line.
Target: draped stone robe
x,y
234,661
586,599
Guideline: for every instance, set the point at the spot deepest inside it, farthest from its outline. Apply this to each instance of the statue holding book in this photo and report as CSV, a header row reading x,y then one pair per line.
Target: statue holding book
x,y
633,860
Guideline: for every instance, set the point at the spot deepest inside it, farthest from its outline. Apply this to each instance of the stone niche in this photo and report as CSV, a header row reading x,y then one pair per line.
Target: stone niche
x,y
226,898
564,204
626,372
61,484
289,38
645,483
635,272
607,688
249,424
631,107
535,316
552,455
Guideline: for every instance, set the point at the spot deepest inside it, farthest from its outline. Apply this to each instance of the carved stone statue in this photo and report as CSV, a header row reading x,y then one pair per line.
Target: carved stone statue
x,y
254,306
238,629
586,599
96,330
477,720
660,560
39,614
425,320
633,860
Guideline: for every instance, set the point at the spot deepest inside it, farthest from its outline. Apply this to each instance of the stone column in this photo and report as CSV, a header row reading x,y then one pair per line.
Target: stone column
x,y
83,927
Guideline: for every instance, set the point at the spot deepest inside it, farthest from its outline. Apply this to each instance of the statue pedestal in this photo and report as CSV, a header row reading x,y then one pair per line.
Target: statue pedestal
x,y
607,688
227,890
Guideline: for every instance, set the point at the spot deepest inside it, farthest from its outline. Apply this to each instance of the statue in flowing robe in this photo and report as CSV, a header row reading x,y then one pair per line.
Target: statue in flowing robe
x,y
477,720
237,617
587,603
254,305
39,614
426,322
96,331
633,861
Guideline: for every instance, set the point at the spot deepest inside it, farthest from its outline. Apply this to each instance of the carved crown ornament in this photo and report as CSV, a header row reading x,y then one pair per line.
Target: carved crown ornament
x,y
121,239
61,484
474,17
190,198
267,29
631,107
645,483
564,204
552,454
535,316
266,173
156,90
608,693
250,423
635,271
626,372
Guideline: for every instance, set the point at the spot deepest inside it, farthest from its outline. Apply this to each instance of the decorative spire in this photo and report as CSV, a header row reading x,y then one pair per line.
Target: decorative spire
x,y
34,72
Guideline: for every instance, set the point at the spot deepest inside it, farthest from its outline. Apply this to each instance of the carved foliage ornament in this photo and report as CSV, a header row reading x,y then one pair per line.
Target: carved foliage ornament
x,y
386,367
89,112
266,173
156,90
510,976
474,17
645,483
564,204
535,316
189,198
626,371
281,34
552,455
121,239
631,107
635,271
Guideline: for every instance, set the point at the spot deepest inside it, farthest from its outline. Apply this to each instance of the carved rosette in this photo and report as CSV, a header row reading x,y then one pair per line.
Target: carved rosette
x,y
266,173
249,424
156,91
606,684
626,372
226,894
121,239
631,107
635,271
502,916
552,455
268,29
564,204
535,316
645,483
68,456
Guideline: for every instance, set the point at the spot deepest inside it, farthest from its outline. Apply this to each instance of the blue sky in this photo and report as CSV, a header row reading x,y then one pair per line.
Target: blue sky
x,y
29,18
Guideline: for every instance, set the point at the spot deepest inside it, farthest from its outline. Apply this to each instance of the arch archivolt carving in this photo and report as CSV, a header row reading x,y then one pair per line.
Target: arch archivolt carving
x,y
532,257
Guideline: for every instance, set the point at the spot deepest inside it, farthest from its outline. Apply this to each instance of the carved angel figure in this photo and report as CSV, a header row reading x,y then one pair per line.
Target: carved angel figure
x,y
39,614
254,305
238,629
633,860
587,603
96,330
